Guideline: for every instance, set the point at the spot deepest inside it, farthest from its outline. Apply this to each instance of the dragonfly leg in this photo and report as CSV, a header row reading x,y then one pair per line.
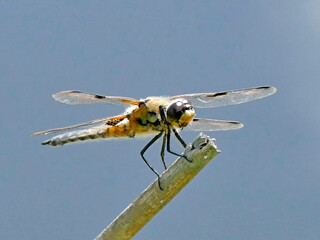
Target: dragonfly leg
x,y
162,114
164,120
163,146
179,138
168,146
145,160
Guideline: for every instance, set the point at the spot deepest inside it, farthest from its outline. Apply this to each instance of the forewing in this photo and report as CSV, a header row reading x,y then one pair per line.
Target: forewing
x,y
200,124
77,97
210,100
94,123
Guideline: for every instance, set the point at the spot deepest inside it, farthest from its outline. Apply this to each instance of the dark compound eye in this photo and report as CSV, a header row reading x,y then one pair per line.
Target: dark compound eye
x,y
176,109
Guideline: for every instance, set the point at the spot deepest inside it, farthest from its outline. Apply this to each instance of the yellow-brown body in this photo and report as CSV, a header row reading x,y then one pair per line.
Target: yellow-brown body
x,y
142,119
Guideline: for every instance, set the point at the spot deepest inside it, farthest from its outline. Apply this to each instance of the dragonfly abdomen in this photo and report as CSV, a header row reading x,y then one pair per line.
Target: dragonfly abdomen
x,y
104,131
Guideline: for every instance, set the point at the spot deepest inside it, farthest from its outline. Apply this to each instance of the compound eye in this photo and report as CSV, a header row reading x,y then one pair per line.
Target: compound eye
x,y
176,109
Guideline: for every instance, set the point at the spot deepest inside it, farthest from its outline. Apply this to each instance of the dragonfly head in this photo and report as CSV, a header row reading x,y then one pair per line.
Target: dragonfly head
x,y
180,112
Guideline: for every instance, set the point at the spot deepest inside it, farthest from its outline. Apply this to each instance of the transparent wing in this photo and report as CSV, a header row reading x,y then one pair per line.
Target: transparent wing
x,y
93,123
210,100
200,124
77,97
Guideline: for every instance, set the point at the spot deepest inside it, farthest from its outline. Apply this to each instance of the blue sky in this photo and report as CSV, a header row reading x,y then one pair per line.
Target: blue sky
x,y
264,184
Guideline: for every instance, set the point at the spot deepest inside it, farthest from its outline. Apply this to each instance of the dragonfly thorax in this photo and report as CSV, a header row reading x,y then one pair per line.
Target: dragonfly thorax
x,y
180,112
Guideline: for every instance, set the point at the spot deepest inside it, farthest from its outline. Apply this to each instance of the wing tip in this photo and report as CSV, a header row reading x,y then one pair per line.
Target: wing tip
x,y
62,97
57,96
271,89
241,125
42,132
237,125
274,89
35,134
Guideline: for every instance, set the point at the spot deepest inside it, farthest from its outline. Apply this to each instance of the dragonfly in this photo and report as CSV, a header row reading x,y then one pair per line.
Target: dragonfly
x,y
152,116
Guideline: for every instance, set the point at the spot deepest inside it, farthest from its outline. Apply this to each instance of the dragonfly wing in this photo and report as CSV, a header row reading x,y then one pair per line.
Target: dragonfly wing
x,y
200,124
77,97
94,123
210,100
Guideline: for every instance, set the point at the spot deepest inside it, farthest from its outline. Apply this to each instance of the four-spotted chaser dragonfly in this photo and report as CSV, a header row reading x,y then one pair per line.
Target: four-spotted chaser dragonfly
x,y
157,116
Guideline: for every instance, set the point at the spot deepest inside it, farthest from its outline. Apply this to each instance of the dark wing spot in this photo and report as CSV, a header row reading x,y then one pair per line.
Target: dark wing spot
x,y
99,97
217,94
263,87
113,122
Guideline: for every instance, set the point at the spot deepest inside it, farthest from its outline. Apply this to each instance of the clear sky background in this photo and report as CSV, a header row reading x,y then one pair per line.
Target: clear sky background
x,y
264,184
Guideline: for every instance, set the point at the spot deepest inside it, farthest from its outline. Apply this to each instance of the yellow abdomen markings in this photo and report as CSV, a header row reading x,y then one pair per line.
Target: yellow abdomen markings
x,y
124,128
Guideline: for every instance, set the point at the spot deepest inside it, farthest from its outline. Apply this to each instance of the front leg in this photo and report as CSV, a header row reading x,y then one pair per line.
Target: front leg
x,y
179,138
174,153
169,128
